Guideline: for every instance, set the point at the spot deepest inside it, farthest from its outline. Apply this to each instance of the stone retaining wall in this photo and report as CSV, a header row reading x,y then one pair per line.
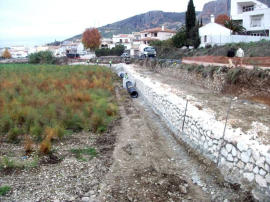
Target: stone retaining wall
x,y
240,159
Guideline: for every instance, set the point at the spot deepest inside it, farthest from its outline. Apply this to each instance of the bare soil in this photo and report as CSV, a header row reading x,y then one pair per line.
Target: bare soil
x,y
60,176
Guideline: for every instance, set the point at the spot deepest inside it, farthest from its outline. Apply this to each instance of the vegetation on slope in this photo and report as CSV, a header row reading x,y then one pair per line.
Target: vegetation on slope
x,y
42,103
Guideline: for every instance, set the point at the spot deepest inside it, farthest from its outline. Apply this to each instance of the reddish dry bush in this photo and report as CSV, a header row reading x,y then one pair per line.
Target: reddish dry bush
x,y
44,86
96,122
111,110
45,146
59,85
28,144
50,133
84,83
2,103
81,97
6,84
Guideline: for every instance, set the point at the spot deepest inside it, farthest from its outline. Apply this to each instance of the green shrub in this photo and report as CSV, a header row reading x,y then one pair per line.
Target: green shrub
x,y
4,190
165,43
14,134
179,39
42,57
116,51
233,75
6,163
87,151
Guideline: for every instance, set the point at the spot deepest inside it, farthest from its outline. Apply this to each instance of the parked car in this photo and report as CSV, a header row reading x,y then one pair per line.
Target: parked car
x,y
125,55
149,52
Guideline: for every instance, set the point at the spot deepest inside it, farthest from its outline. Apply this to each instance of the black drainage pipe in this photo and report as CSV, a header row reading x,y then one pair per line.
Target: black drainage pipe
x,y
131,89
122,75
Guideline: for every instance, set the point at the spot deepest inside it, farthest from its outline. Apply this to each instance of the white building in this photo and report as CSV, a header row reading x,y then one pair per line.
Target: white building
x,y
253,15
107,43
135,43
159,33
18,51
213,33
123,39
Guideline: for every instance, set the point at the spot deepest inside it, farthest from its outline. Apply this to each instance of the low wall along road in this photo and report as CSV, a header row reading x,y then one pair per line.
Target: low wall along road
x,y
240,159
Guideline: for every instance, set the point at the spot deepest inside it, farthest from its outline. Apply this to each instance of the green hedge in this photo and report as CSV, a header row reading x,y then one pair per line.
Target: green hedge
x,y
116,51
42,57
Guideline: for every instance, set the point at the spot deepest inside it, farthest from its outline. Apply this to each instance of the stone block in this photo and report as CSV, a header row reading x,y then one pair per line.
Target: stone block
x,y
268,159
234,152
222,161
249,167
267,167
224,152
245,156
242,146
230,157
229,147
249,176
262,172
267,178
256,170
260,162
240,165
261,181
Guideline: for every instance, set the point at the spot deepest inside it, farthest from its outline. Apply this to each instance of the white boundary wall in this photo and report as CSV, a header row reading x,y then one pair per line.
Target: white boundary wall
x,y
222,40
242,160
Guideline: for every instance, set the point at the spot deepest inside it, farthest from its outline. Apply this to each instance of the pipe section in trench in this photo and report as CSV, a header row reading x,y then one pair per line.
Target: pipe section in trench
x,y
128,85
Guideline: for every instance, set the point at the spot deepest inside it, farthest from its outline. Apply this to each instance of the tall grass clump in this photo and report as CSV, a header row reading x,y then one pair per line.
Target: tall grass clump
x,y
39,103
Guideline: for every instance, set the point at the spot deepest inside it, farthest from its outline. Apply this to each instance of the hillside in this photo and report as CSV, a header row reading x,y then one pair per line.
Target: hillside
x,y
215,7
143,21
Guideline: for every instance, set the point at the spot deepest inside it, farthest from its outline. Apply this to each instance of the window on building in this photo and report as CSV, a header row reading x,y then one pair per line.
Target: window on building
x,y
256,21
145,35
121,41
155,34
205,38
248,8
126,40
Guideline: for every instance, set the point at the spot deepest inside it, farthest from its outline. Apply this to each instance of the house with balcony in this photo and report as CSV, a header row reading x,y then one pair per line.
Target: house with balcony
x,y
253,15
107,43
123,39
159,33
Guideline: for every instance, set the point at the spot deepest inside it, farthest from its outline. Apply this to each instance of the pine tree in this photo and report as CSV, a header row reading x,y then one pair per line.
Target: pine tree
x,y
190,17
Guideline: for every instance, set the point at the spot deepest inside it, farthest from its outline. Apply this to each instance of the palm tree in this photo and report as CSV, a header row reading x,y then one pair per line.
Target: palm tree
x,y
234,26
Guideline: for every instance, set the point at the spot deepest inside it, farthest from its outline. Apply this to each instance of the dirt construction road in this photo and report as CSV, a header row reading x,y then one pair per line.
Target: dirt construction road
x,y
149,165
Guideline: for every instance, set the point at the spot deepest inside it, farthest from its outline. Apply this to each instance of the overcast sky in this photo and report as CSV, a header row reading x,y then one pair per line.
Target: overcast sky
x,y
29,22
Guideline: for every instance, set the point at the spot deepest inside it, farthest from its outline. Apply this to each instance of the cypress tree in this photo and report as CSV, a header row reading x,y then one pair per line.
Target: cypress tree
x,y
190,17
